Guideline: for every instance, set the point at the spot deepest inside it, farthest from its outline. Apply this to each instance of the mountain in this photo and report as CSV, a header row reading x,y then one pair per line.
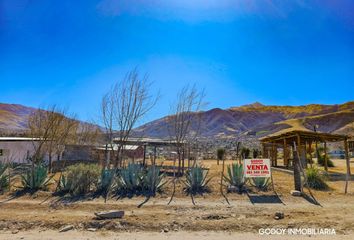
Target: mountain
x,y
259,120
253,120
13,118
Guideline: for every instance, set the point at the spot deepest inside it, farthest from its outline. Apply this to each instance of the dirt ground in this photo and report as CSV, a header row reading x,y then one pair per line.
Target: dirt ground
x,y
40,216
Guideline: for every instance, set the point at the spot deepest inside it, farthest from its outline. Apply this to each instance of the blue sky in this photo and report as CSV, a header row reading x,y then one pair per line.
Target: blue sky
x,y
241,51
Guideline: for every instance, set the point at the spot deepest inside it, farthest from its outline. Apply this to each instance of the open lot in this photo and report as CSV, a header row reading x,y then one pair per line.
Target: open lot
x,y
40,216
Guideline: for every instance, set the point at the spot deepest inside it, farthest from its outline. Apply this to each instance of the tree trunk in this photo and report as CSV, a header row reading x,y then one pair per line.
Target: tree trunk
x,y
50,162
183,157
179,163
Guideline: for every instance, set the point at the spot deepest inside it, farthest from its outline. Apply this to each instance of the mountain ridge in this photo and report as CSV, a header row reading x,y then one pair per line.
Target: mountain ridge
x,y
258,120
255,120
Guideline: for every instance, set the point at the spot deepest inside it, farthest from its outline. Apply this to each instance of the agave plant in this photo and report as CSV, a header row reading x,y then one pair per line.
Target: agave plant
x,y
261,183
36,179
4,178
235,176
64,185
153,180
316,179
196,180
129,180
106,182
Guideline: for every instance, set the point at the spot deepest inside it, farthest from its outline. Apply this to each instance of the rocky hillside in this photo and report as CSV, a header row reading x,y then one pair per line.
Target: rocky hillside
x,y
13,118
254,120
259,120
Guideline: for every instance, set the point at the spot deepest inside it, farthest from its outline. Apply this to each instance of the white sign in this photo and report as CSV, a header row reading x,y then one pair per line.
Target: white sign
x,y
256,168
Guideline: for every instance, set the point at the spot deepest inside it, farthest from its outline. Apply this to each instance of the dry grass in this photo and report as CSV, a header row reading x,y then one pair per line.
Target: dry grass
x,y
212,213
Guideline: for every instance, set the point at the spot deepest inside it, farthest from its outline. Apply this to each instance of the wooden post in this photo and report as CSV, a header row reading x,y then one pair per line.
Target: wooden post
x,y
264,154
297,171
325,157
310,152
285,153
189,156
183,157
272,155
154,155
144,157
305,152
316,146
347,164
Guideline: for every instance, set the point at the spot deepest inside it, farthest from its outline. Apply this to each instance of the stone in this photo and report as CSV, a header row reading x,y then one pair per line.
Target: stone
x,y
92,229
110,214
15,231
296,193
166,230
279,215
66,228
232,189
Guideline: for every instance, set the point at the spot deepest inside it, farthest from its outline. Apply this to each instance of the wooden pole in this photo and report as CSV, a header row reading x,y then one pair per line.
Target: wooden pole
x,y
264,154
305,151
144,157
272,155
285,153
325,157
297,171
310,152
347,165
316,146
183,160
154,156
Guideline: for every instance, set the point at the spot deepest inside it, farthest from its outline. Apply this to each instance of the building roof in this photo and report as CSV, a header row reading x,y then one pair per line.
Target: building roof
x,y
305,135
147,141
115,147
9,139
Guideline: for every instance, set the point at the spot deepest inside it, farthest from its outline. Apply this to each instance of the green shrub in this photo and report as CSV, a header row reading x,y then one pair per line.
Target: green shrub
x,y
245,152
316,179
235,177
36,178
82,178
129,180
4,178
153,180
196,180
220,153
321,160
255,153
261,183
309,158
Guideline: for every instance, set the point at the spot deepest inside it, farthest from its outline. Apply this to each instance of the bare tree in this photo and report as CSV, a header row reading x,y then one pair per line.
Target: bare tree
x,y
107,116
185,114
123,106
185,121
87,134
50,130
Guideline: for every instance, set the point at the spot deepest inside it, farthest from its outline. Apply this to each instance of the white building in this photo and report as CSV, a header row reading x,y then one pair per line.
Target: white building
x,y
16,149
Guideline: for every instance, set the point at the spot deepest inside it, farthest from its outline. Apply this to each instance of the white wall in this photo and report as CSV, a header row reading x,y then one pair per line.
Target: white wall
x,y
17,151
